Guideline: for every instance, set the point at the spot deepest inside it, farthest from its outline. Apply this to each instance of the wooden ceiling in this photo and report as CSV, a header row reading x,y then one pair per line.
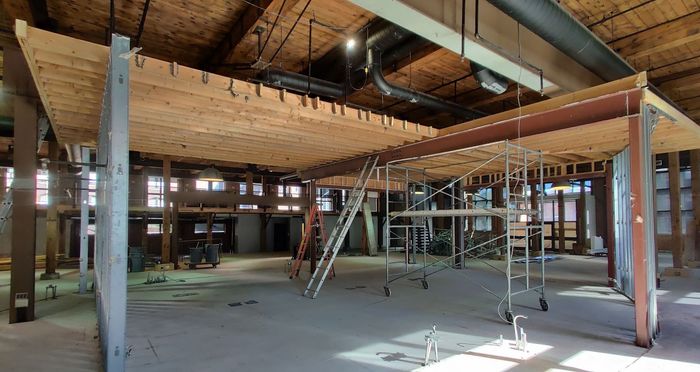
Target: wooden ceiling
x,y
661,36
181,112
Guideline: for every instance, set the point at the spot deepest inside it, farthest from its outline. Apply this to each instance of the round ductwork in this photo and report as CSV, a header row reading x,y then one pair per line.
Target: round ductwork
x,y
489,80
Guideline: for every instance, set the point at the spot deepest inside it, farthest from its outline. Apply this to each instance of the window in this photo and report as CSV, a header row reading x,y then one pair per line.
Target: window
x,y
292,192
154,229
325,199
155,190
209,185
257,190
42,187
201,228
483,199
9,177
92,186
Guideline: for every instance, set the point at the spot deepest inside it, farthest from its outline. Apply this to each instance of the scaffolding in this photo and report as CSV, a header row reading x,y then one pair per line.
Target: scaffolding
x,y
409,222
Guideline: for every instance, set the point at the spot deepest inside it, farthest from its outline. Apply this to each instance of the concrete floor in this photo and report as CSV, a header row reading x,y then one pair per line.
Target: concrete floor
x,y
187,323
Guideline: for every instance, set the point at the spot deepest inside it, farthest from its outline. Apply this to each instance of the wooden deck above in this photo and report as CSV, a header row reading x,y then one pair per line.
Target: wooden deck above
x,y
180,111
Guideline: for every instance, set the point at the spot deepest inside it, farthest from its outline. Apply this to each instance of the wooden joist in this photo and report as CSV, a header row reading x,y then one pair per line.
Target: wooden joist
x,y
180,111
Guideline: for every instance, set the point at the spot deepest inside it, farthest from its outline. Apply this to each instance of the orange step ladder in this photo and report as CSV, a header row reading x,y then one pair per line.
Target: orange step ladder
x,y
315,220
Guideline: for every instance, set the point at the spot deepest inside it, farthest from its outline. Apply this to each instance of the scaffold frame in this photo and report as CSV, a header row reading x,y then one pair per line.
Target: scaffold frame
x,y
522,221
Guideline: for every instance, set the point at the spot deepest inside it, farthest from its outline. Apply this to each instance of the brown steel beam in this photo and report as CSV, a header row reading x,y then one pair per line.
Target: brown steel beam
x,y
616,105
231,198
240,29
639,251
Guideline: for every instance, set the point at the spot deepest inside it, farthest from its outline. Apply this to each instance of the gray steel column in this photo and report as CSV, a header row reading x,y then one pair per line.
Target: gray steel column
x,y
112,207
84,219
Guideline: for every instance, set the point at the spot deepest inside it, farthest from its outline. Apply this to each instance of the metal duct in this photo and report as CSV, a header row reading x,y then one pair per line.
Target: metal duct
x,y
491,81
556,26
413,96
300,83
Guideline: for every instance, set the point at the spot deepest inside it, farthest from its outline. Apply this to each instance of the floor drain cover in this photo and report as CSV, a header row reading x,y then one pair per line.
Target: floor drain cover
x,y
234,304
185,294
251,302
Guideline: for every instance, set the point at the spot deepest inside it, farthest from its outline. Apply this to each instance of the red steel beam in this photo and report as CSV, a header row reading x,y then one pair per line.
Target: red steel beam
x,y
616,105
639,253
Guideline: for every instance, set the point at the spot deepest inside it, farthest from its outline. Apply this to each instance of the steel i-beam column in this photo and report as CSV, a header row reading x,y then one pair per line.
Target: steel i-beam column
x,y
84,218
112,207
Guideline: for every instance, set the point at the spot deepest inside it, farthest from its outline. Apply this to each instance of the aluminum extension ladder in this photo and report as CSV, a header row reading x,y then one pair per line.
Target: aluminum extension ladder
x,y
5,209
315,220
340,230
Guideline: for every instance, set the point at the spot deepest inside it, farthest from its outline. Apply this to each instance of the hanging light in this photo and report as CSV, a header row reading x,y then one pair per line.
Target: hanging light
x,y
210,174
561,185
419,191
350,44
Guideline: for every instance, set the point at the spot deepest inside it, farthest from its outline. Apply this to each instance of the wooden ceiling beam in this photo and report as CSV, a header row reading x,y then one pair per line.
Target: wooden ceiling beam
x,y
245,25
660,38
35,12
675,76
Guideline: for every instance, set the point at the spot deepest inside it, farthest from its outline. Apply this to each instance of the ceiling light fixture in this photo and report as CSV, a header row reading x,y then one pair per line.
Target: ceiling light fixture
x,y
210,174
350,44
561,185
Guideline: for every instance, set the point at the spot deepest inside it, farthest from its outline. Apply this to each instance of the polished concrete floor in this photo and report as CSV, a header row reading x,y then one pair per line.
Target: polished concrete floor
x,y
246,315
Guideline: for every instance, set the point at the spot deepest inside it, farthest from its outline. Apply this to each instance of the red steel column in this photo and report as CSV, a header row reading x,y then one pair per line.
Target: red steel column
x,y
637,181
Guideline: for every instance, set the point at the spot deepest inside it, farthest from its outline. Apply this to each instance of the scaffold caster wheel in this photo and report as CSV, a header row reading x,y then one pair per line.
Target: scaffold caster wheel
x,y
425,283
387,291
509,316
543,304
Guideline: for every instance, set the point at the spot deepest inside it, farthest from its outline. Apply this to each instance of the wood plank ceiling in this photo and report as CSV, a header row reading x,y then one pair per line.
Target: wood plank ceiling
x,y
661,36
180,111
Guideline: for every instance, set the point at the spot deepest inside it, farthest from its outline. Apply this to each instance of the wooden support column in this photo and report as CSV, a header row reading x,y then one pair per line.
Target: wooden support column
x,y
249,183
536,240
312,242
497,222
639,233
610,224
175,236
165,241
561,219
52,215
210,226
695,187
22,278
581,223
674,185
144,232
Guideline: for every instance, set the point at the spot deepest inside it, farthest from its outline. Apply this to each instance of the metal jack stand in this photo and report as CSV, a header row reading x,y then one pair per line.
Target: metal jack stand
x,y
52,288
431,339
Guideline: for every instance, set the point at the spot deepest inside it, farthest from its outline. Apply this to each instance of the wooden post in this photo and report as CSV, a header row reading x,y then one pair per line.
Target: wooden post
x,y
249,183
674,185
22,279
535,240
175,236
52,215
165,241
561,219
581,223
497,222
695,186
210,226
